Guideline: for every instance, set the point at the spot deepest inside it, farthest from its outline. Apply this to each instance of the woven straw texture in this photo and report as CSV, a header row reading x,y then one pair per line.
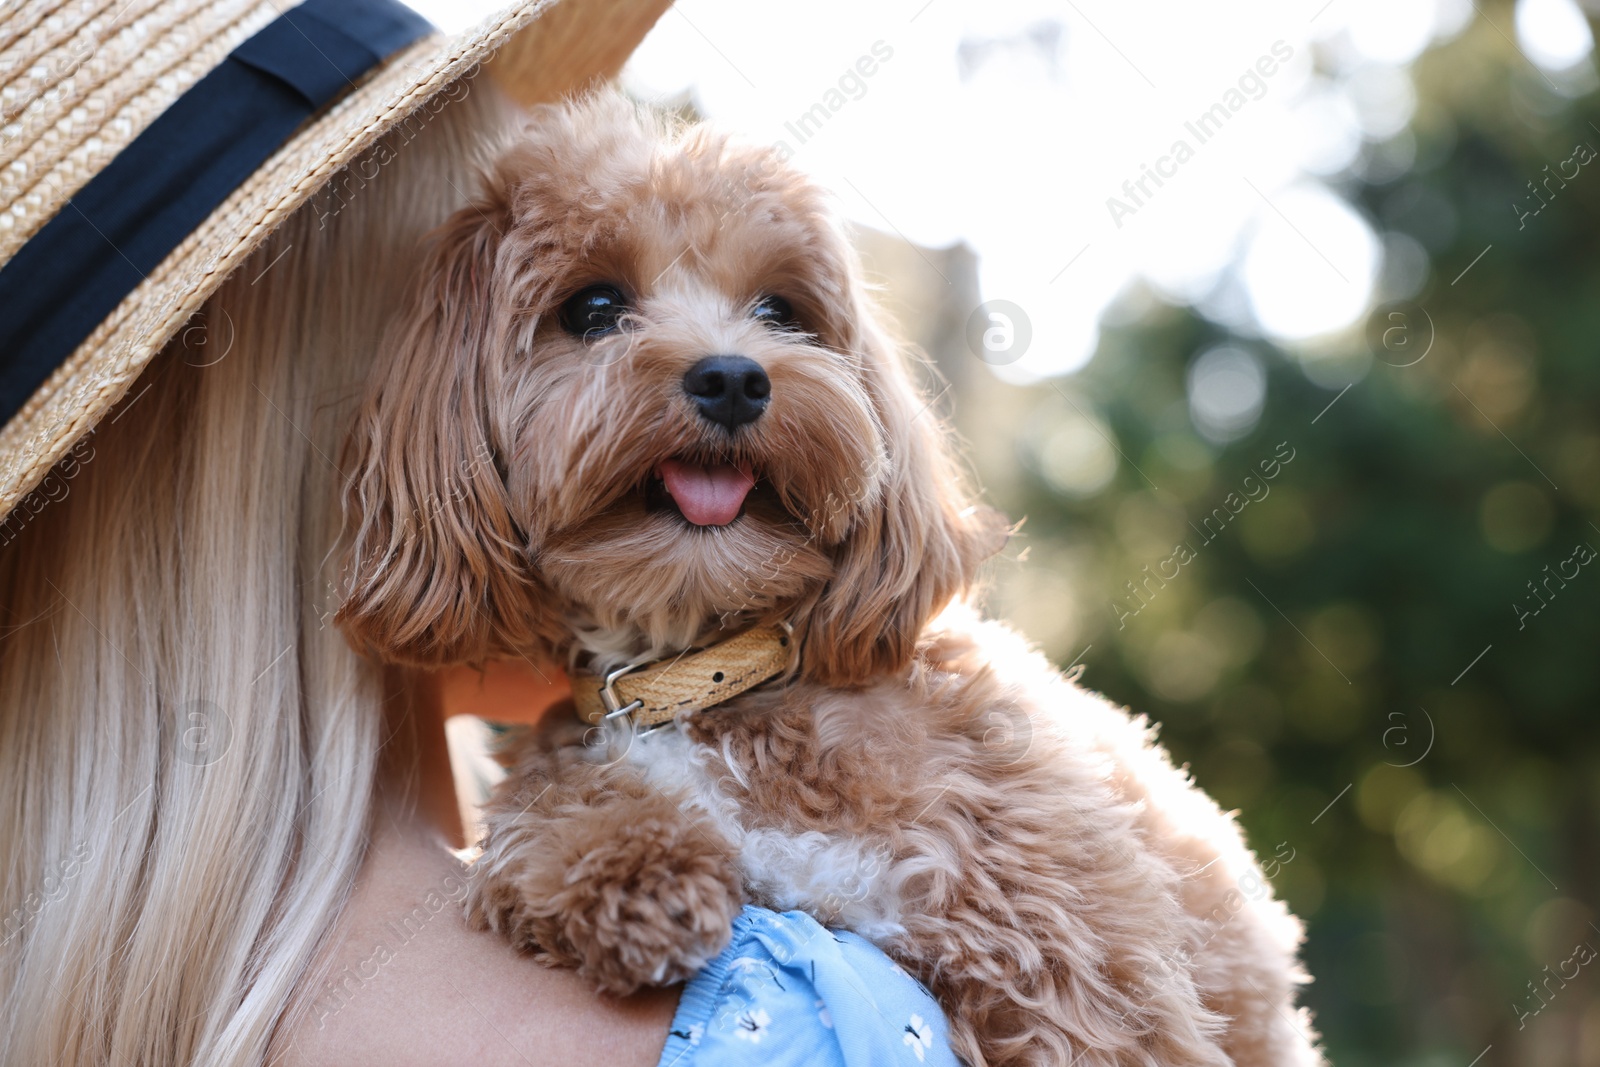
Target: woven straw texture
x,y
75,94
78,81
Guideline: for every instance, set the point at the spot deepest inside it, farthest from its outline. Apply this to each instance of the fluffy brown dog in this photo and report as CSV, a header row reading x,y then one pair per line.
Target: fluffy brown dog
x,y
638,405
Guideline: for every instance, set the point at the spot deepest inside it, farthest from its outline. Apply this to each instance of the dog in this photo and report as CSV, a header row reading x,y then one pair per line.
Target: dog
x,y
638,413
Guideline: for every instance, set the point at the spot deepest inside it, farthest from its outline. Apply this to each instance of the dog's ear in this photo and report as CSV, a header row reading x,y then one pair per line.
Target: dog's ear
x,y
916,545
436,568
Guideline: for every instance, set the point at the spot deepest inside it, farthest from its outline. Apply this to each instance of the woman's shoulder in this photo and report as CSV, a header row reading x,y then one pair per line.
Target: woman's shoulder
x,y
408,982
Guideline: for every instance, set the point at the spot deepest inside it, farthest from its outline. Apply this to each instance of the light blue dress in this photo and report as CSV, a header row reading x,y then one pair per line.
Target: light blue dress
x,y
789,993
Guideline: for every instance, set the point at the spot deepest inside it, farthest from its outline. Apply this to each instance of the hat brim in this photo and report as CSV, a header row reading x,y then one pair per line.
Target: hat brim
x,y
534,51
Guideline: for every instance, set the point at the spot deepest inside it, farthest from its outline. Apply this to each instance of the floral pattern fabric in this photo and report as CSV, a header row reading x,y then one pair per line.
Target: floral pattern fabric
x,y
787,992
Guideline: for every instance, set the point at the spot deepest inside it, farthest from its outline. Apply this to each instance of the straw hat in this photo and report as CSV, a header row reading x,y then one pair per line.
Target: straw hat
x,y
147,147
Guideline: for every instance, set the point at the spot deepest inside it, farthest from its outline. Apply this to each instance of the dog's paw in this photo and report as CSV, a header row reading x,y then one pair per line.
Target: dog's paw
x,y
651,908
632,892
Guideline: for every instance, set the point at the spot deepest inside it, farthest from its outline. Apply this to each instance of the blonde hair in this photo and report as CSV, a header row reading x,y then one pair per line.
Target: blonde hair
x,y
187,744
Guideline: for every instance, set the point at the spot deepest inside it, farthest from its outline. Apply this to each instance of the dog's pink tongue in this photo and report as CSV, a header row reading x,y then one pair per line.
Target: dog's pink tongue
x,y
707,496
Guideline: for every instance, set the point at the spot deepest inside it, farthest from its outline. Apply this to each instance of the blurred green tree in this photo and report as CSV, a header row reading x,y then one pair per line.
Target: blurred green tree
x,y
1385,653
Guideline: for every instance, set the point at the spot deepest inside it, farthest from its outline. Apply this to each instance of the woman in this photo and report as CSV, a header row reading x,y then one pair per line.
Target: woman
x,y
225,836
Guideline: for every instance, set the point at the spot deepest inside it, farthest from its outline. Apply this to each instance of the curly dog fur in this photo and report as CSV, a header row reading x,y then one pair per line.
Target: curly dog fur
x,y
920,775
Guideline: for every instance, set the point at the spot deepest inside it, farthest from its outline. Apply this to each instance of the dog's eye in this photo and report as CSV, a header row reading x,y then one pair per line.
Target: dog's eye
x,y
593,311
774,311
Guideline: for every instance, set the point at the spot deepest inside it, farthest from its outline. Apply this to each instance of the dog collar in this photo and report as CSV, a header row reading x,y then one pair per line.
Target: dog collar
x,y
652,694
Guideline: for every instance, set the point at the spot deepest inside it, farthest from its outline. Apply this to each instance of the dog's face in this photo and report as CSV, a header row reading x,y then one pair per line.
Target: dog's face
x,y
637,390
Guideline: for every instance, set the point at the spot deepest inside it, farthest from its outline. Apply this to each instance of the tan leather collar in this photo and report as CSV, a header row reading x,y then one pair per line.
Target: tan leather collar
x,y
654,694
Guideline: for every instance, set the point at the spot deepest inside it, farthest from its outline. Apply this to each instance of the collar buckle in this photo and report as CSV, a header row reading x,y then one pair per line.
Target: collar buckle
x,y
616,709
614,706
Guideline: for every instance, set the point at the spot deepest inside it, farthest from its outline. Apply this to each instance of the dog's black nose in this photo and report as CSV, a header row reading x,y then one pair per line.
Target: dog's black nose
x,y
728,390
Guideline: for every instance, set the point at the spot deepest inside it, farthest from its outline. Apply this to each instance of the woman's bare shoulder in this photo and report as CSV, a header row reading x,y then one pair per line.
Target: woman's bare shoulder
x,y
412,984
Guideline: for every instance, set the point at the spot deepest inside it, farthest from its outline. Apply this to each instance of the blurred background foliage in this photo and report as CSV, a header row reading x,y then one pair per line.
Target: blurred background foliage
x,y
1383,655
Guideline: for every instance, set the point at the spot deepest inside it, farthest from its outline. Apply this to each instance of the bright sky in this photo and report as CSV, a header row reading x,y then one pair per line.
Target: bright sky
x,y
1011,125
